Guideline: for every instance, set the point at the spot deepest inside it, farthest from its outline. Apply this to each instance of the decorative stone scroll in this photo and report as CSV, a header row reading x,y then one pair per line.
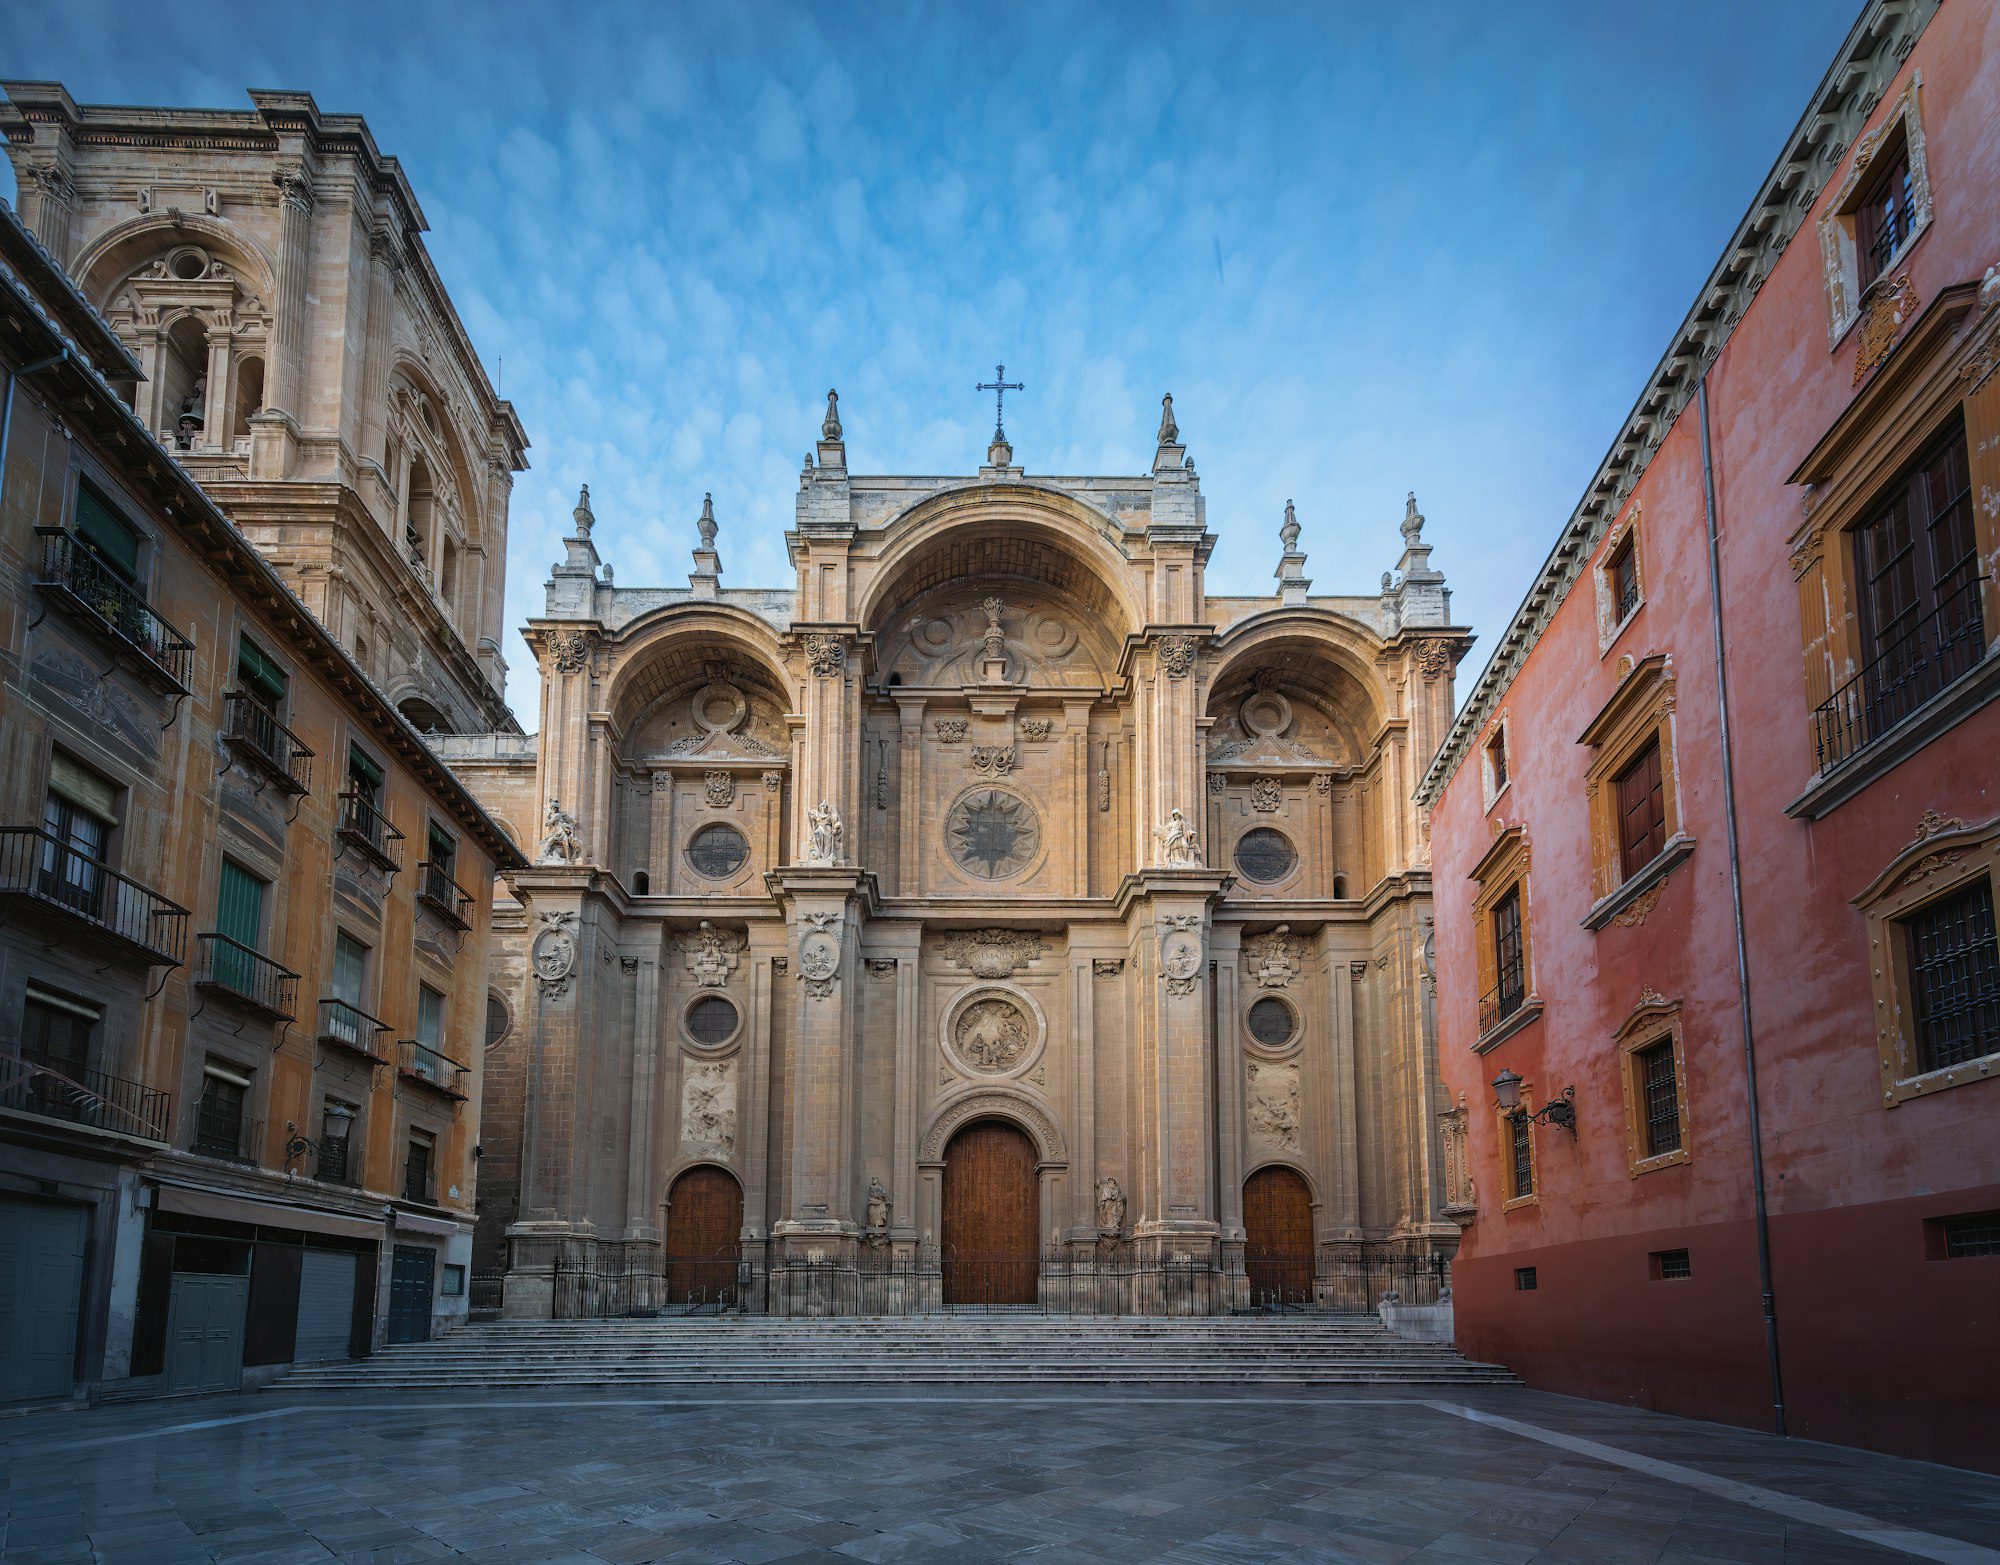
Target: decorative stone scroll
x,y
992,760
991,953
1035,729
826,655
1177,656
569,650
950,730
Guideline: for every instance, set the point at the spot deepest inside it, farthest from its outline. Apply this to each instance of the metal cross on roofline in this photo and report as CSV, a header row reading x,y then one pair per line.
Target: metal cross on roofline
x,y
999,385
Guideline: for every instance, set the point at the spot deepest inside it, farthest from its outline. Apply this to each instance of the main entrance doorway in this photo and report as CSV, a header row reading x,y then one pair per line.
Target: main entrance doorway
x,y
1278,1237
704,1225
991,1216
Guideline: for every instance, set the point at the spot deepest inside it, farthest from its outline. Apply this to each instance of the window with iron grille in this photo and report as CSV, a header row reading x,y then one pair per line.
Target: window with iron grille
x,y
1624,573
716,852
711,1020
1642,811
1659,1097
1887,213
336,1140
1521,1153
218,1122
1524,1279
1272,1022
1954,963
417,1171
1671,1265
1510,971
1265,855
1971,1235
1917,560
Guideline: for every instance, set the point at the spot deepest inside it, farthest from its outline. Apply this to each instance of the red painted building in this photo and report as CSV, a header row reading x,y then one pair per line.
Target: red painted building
x,y
1717,835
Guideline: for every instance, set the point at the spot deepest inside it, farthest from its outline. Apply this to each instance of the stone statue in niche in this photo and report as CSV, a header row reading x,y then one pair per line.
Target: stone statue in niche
x,y
878,1213
1180,846
1110,1208
823,833
559,839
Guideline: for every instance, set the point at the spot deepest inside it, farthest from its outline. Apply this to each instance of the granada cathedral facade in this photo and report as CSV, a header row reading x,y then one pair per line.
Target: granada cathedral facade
x,y
992,901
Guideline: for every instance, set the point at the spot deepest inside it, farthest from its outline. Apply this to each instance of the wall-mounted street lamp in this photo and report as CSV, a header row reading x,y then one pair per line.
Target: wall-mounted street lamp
x,y
1559,1112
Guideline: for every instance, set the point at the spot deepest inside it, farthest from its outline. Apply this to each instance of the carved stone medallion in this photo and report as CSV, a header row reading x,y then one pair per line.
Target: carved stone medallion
x,y
992,834
991,953
992,1030
553,954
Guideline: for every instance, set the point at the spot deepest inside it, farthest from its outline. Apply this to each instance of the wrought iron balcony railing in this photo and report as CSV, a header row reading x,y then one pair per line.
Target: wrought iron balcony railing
x,y
219,1133
108,605
344,1026
254,729
90,896
32,1083
419,1063
362,824
1939,649
438,891
1503,1000
248,977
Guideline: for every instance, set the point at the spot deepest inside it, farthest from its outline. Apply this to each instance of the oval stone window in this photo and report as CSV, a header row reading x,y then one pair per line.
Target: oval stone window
x,y
711,1020
1266,855
718,851
1272,1023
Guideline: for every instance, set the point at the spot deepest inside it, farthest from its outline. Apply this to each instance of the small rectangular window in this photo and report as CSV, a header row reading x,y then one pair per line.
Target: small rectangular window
x,y
364,776
1642,812
1954,964
1625,579
1671,1265
1510,971
1659,1097
1521,1151
443,848
1496,750
417,1169
1970,1236
1887,214
1524,1279
430,1017
452,1283
218,1128
105,533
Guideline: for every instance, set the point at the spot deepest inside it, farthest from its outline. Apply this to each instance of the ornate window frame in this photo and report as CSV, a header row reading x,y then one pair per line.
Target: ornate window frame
x,y
1839,246
1622,534
1294,1042
1654,1020
1504,868
1944,857
1491,789
725,1046
1946,365
1640,712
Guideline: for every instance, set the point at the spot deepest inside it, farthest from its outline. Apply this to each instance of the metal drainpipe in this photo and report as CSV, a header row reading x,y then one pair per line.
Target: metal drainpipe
x,y
1736,903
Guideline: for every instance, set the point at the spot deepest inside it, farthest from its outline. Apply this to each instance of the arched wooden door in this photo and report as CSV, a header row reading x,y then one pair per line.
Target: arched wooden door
x,y
704,1223
1278,1237
992,1216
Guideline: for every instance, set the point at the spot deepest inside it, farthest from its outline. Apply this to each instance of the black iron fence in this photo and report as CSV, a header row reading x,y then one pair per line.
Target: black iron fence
x,y
1937,650
37,864
363,823
247,976
1113,1279
420,1063
72,570
58,1089
443,895
284,757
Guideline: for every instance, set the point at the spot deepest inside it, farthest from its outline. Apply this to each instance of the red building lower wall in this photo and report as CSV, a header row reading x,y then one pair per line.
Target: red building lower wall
x,y
1598,1324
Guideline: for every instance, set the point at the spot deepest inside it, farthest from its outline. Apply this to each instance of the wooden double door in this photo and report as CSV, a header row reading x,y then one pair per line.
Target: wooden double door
x,y
992,1216
704,1230
1278,1237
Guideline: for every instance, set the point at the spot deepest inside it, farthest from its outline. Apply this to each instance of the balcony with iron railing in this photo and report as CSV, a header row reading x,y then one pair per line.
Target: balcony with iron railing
x,y
32,1083
443,895
348,1027
229,1136
1919,665
246,977
86,897
254,732
365,826
1507,1006
97,598
424,1066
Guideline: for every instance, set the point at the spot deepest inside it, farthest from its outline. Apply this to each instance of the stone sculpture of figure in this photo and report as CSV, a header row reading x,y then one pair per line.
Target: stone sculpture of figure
x,y
1110,1206
1179,847
823,834
878,1208
559,844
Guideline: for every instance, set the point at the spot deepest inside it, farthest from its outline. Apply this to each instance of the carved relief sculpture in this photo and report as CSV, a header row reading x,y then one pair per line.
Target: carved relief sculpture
x,y
721,788
559,839
992,1035
825,655
991,953
1177,656
823,833
819,956
951,730
1266,794
569,650
1273,1106
878,1213
1180,953
1035,729
711,956
553,954
1272,960
1180,847
708,1109
992,760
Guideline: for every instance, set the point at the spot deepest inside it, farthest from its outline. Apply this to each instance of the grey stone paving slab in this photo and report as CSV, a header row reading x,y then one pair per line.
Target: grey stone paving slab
x,y
954,1478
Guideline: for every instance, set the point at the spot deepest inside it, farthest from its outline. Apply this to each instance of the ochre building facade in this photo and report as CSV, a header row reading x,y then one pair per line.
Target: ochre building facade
x,y
993,895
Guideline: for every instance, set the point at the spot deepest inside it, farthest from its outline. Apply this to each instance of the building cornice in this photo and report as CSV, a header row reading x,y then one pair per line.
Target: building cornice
x,y
1867,62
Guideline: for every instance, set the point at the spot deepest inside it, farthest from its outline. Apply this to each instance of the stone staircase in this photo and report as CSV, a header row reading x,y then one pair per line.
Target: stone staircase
x,y
948,1349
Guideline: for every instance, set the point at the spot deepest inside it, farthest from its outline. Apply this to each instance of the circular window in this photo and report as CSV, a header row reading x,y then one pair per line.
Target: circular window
x,y
498,1017
1265,855
188,265
711,1020
992,834
717,851
1272,1022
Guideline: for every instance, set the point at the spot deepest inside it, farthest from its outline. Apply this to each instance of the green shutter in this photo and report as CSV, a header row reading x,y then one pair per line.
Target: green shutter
x,y
257,673
106,532
430,1017
239,906
443,848
350,959
359,765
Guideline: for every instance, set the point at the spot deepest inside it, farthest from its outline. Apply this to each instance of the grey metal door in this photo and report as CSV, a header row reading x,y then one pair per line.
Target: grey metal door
x,y
412,1285
205,1332
326,1305
41,1291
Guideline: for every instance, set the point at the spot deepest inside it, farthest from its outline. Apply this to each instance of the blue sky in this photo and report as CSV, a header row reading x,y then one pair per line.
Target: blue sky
x,y
1368,248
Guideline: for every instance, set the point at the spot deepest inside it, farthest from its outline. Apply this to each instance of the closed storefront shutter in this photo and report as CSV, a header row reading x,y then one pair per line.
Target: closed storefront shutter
x,y
326,1305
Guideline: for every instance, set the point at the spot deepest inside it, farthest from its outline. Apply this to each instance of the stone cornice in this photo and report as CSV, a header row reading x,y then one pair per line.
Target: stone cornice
x,y
1868,61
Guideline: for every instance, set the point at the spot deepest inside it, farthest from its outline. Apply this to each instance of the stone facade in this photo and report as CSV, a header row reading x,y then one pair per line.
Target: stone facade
x,y
302,359
995,814
223,1144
